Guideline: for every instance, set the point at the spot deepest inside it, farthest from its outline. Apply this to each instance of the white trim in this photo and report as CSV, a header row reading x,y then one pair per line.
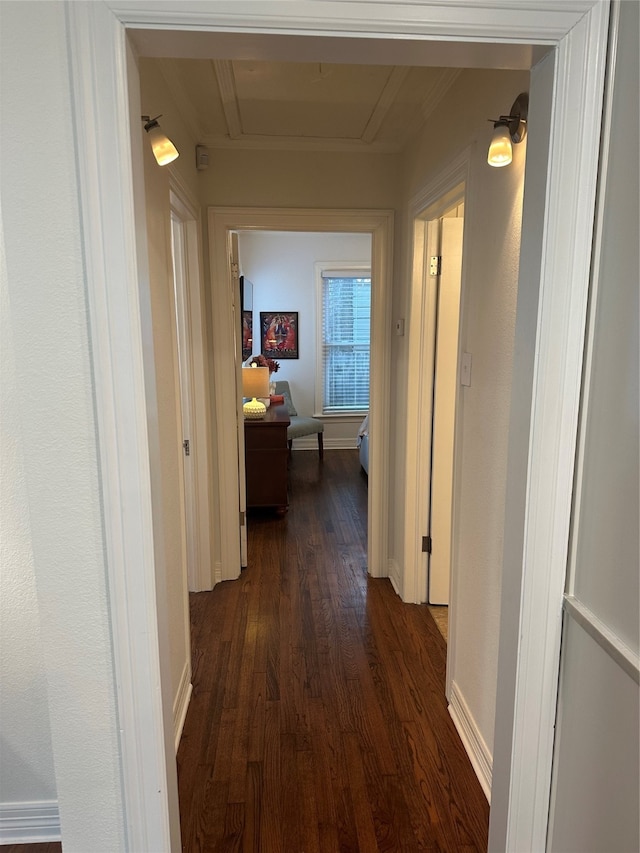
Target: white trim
x,y
578,32
342,417
545,21
473,742
228,447
429,202
199,475
395,576
29,823
117,292
608,640
564,282
181,702
379,223
594,296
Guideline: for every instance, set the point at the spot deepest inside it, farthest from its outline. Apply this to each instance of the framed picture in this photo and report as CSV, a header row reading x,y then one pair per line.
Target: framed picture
x,y
279,334
247,334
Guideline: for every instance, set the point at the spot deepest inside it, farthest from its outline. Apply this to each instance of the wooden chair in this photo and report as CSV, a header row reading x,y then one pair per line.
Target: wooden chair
x,y
299,425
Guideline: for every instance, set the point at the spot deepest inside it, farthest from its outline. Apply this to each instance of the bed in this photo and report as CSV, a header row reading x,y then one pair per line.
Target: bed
x,y
363,444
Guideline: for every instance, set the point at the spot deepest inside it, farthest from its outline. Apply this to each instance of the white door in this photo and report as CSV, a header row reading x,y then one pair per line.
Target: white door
x,y
182,336
444,408
193,385
237,321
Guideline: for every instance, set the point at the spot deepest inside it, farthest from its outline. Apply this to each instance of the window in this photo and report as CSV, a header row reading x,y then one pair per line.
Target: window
x,y
345,329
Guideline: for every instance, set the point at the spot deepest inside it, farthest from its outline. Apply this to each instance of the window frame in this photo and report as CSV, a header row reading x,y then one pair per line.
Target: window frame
x,y
360,269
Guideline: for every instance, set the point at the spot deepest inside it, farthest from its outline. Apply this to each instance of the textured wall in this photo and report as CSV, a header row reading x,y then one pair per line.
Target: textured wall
x,y
48,318
26,758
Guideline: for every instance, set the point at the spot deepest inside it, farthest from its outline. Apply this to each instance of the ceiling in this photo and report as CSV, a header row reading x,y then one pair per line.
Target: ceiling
x,y
245,103
312,92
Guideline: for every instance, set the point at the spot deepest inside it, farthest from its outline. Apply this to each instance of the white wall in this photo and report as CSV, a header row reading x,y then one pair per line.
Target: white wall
x,y
596,795
26,756
301,179
57,472
281,268
489,307
490,280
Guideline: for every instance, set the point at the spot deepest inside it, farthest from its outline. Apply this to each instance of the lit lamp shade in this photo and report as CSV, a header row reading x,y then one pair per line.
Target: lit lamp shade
x,y
163,148
500,150
255,383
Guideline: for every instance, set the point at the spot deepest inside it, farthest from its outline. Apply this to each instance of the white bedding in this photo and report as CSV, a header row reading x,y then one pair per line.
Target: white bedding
x,y
363,443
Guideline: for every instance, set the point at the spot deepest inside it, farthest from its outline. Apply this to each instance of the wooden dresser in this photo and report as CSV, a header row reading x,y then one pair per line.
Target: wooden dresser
x,y
266,459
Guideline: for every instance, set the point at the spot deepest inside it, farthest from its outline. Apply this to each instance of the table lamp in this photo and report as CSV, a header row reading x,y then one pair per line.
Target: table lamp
x,y
255,383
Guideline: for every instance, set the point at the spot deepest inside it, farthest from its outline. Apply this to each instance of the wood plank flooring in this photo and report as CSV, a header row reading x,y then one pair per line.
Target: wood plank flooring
x,y
318,720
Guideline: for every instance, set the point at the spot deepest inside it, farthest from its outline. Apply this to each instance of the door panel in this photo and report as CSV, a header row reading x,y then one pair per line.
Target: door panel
x,y
237,314
444,412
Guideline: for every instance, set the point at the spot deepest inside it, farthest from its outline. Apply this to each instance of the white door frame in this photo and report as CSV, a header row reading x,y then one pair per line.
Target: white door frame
x,y
379,223
193,373
557,259
430,203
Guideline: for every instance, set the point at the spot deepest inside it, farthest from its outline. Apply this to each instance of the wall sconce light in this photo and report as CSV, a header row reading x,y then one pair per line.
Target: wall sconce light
x,y
255,383
163,148
507,130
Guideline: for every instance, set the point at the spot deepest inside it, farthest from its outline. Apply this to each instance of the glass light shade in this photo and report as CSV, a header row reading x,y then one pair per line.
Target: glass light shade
x,y
500,150
163,148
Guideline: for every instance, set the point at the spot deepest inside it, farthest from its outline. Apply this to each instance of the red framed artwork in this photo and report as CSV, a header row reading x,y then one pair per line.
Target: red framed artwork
x,y
279,334
247,334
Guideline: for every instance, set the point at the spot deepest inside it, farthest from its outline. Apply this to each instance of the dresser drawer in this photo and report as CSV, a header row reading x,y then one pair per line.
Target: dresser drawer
x,y
266,459
256,438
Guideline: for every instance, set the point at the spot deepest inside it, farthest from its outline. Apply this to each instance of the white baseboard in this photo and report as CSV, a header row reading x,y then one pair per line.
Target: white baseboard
x,y
181,702
473,742
393,573
29,823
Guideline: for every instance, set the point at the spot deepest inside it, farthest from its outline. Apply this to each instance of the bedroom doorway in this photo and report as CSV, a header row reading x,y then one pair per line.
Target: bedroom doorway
x,y
378,225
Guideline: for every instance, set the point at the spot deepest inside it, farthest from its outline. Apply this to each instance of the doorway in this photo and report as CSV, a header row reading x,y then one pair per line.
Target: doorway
x,y
189,317
442,283
556,269
223,224
445,245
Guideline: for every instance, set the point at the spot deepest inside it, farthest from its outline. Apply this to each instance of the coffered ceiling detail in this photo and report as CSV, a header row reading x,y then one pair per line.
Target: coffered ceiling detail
x,y
302,106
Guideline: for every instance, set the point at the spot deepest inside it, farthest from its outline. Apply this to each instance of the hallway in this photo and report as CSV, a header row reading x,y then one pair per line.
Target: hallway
x,y
318,720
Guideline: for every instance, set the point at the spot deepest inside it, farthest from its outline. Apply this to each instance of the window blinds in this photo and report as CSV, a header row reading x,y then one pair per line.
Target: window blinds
x,y
346,325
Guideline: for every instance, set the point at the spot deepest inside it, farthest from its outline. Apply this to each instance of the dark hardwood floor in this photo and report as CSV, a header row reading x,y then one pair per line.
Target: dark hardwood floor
x,y
318,720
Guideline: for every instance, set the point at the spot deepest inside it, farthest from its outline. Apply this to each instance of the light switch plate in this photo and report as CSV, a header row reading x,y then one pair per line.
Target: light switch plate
x,y
399,328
